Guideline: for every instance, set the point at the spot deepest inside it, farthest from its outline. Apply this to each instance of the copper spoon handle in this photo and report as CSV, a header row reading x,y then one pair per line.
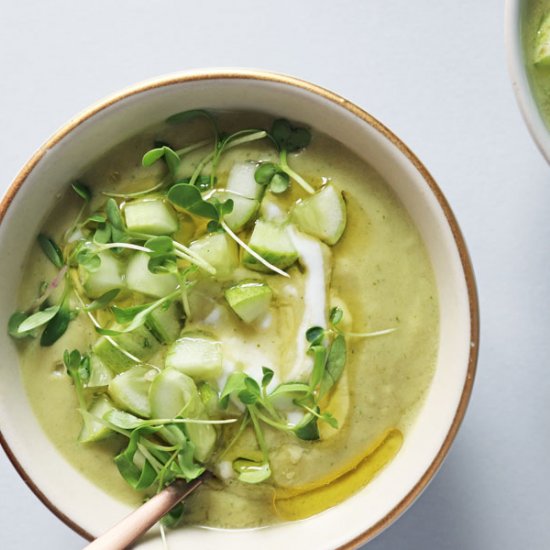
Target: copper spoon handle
x,y
141,520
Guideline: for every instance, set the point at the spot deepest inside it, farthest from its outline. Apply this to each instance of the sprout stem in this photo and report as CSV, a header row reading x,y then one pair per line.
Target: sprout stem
x,y
252,252
290,172
193,147
371,334
135,193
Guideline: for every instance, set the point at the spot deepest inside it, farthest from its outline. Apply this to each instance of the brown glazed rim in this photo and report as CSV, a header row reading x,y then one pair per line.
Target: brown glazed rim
x,y
244,74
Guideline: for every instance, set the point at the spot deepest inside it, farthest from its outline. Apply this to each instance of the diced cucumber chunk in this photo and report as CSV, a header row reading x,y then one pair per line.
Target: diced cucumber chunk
x,y
140,279
209,397
92,429
322,215
243,211
272,242
220,251
140,343
108,276
166,323
173,394
241,180
153,217
542,43
249,299
100,374
196,354
130,390
271,209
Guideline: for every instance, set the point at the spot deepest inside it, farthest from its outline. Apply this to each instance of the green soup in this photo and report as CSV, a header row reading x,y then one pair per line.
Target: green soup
x,y
532,16
377,274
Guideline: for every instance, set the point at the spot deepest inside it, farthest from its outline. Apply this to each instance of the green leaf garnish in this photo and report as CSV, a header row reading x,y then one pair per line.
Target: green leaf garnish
x,y
82,190
336,362
307,429
329,419
135,315
163,255
37,319
288,137
151,156
123,420
335,315
234,384
202,182
280,132
14,323
185,466
271,174
103,233
170,156
279,183
78,365
265,172
250,471
315,335
52,251
188,197
172,160
248,397
113,214
292,389
138,477
267,376
96,218
88,259
173,518
319,360
103,301
214,226
78,368
57,326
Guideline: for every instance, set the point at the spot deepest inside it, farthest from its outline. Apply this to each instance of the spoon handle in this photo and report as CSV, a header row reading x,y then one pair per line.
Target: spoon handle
x,y
141,520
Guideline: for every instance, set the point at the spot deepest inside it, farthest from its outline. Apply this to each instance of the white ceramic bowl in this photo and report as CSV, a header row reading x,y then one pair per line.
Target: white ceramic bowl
x,y
520,78
27,203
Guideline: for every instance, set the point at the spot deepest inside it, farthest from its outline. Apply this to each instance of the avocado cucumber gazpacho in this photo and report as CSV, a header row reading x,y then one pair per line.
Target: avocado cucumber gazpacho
x,y
535,36
232,293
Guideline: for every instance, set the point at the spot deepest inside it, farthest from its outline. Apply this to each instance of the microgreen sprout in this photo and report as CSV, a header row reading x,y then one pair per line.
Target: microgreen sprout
x,y
288,139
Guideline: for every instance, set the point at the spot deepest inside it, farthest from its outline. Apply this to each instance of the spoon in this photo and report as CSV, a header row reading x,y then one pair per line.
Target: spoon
x,y
141,520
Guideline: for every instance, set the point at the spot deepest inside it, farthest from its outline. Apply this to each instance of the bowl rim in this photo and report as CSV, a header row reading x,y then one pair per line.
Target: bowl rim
x,y
520,80
293,82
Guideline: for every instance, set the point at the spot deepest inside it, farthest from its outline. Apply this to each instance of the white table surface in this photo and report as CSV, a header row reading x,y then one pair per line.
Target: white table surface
x,y
434,71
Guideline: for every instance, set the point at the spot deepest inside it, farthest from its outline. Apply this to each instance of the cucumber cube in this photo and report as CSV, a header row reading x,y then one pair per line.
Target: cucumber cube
x,y
166,324
249,299
196,354
243,211
130,390
153,217
107,277
542,43
241,180
140,279
93,430
140,343
220,251
173,394
100,374
272,242
322,215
